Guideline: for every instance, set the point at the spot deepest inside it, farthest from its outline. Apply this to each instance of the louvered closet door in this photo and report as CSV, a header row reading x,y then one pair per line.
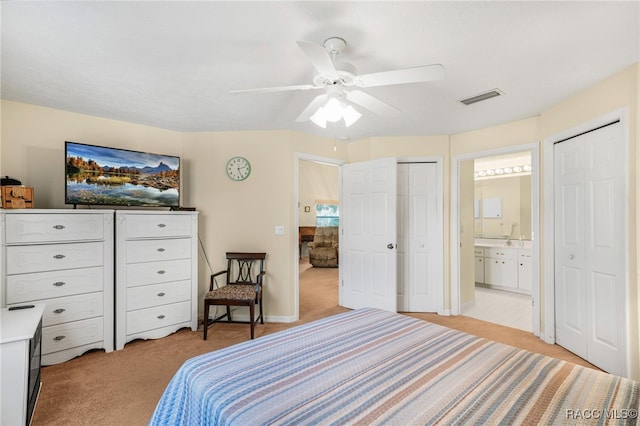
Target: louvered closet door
x,y
589,247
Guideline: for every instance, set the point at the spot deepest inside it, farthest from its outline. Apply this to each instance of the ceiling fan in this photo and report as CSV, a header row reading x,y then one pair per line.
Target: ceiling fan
x,y
341,83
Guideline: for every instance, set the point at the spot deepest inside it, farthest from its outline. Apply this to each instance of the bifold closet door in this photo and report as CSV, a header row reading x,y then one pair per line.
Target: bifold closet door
x,y
419,244
589,247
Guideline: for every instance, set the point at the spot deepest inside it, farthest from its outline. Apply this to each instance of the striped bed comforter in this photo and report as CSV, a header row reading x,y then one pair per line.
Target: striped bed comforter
x,y
369,366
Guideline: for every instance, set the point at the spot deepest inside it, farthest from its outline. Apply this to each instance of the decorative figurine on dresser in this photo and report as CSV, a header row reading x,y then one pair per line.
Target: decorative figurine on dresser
x,y
156,273
63,259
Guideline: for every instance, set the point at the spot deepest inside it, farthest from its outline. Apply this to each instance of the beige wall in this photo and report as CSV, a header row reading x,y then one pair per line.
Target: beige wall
x,y
619,91
616,92
33,145
242,215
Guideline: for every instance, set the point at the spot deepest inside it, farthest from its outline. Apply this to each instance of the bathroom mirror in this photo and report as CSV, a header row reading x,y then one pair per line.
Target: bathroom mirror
x,y
502,192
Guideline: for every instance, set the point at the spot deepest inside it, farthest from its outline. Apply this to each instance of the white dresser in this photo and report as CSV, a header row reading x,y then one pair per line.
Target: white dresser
x,y
64,259
156,274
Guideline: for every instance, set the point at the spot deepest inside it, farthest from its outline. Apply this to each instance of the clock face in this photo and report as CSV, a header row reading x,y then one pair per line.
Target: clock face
x,y
238,168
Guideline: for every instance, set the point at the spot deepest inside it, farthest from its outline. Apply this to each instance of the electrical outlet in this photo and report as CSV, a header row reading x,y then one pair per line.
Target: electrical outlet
x,y
279,230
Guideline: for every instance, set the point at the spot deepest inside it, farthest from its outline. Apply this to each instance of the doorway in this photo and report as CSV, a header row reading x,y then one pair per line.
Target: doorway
x,y
502,241
317,184
467,212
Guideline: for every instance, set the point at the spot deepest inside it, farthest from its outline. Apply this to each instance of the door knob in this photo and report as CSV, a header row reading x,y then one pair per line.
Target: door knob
x,y
390,246
571,257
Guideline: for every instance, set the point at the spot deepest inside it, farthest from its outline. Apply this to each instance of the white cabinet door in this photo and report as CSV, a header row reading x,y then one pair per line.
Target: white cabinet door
x,y
509,273
492,271
525,270
479,269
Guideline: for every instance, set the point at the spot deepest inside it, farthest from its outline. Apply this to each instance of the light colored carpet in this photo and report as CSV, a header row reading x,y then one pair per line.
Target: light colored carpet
x,y
123,387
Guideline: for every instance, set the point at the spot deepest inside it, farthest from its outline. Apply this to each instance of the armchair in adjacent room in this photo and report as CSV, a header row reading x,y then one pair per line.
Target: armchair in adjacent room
x,y
243,287
324,250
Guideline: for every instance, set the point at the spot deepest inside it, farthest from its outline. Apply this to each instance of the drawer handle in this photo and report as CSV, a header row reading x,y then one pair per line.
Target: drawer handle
x,y
160,316
59,283
160,249
160,294
161,271
58,338
161,225
59,311
58,227
59,256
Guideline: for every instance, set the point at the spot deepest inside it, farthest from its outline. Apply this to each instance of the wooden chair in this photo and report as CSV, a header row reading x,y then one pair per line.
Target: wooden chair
x,y
244,276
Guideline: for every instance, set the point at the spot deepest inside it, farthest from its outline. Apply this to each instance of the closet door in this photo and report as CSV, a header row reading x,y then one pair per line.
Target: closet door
x,y
419,244
590,281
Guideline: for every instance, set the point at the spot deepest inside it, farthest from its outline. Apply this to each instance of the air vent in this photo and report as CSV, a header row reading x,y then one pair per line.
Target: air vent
x,y
482,97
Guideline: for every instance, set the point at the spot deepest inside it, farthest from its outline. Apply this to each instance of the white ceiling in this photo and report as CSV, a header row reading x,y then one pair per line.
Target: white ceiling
x,y
172,64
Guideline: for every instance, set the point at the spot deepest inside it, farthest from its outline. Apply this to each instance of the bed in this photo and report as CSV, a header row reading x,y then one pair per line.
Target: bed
x,y
369,366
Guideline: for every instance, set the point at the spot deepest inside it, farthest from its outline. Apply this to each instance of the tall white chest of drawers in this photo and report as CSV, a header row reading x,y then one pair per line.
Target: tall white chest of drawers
x,y
156,274
64,259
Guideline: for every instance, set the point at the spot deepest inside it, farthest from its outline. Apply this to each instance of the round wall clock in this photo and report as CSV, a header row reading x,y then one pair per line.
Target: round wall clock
x,y
238,168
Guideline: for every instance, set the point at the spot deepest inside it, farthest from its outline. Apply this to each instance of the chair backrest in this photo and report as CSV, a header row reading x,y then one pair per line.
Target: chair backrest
x,y
245,268
326,236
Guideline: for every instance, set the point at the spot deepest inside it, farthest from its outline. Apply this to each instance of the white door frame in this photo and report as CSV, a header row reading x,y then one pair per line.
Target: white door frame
x,y
549,220
535,224
300,156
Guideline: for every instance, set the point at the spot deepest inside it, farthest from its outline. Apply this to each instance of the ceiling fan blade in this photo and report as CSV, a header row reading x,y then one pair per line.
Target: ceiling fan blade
x,y
369,102
320,59
316,103
402,76
277,89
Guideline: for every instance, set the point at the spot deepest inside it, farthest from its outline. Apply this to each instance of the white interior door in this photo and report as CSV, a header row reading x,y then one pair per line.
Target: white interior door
x,y
419,244
368,239
590,282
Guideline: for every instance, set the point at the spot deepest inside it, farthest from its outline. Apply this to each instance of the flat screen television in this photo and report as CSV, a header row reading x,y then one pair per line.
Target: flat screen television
x,y
101,175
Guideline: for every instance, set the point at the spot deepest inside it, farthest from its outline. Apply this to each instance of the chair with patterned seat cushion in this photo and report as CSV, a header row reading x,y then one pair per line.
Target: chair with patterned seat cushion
x,y
243,287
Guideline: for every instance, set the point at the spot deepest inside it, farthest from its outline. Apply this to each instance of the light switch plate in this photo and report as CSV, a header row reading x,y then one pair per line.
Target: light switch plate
x,y
279,230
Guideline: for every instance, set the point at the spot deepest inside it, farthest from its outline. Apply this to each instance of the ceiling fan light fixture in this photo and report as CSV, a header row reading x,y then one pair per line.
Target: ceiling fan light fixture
x,y
319,118
350,115
333,110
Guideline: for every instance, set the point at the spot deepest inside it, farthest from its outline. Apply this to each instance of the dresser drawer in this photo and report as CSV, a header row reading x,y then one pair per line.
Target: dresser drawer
x,y
157,317
158,272
48,285
69,335
73,308
158,226
53,257
37,228
154,250
147,296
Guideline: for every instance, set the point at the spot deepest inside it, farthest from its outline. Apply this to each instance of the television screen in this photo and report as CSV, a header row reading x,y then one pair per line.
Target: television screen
x,y
120,177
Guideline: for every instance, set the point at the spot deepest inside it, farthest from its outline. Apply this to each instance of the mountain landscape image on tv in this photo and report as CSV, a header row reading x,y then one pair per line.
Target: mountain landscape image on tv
x,y
100,175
